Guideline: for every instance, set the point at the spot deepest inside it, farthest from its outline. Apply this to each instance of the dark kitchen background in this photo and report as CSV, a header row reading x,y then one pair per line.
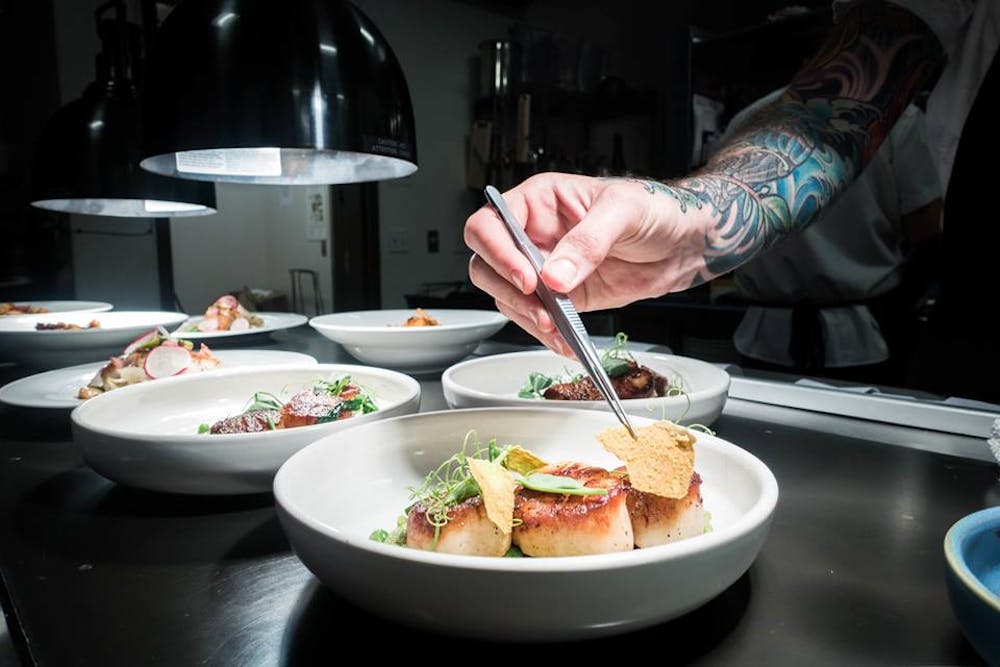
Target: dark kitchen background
x,y
501,89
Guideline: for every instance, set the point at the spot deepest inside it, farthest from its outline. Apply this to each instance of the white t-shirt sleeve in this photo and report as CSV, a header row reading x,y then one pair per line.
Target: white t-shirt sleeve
x,y
944,17
913,165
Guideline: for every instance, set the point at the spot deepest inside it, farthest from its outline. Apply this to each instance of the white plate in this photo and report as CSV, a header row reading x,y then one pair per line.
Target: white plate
x,y
21,342
379,337
67,306
272,322
328,516
58,388
146,435
495,381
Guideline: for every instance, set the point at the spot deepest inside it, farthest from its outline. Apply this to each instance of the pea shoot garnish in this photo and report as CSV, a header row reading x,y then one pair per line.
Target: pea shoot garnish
x,y
567,486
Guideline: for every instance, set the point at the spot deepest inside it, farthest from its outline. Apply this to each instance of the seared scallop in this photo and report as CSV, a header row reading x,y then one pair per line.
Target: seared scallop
x,y
552,524
468,531
658,520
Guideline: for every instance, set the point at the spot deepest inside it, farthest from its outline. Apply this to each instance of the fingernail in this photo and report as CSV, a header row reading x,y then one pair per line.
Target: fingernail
x,y
562,270
542,321
518,281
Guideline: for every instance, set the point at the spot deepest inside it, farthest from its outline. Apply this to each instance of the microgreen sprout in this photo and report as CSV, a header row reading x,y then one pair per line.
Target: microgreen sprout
x,y
617,359
452,482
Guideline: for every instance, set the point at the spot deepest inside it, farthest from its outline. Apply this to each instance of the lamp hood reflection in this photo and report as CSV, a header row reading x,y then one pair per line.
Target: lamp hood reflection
x,y
298,92
87,159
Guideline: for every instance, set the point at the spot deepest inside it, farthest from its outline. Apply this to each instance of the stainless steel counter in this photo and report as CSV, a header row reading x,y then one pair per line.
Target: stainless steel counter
x,y
851,573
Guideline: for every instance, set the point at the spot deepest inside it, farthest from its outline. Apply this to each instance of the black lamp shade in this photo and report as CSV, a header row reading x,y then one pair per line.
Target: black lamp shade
x,y
87,161
260,91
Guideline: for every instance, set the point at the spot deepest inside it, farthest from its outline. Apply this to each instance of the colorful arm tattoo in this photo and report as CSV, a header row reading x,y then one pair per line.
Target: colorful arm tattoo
x,y
794,156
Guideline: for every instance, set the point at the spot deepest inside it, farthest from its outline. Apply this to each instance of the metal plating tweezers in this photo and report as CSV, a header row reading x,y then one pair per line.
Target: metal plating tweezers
x,y
561,309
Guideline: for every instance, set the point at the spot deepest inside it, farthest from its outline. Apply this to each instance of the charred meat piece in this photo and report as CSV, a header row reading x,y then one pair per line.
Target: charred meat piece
x,y
65,326
637,382
581,390
248,422
307,407
551,524
468,531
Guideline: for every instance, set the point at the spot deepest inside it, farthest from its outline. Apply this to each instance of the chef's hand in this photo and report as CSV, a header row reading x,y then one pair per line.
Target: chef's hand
x,y
609,242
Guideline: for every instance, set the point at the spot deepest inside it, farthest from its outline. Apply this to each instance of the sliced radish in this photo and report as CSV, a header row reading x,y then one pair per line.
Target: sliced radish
x,y
141,342
240,324
227,302
165,361
208,324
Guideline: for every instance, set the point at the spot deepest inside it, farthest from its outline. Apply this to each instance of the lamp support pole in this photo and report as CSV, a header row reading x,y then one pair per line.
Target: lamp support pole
x,y
161,226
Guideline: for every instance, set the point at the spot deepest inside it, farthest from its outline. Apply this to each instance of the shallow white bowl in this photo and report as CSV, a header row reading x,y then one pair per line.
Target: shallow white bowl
x,y
21,342
328,517
146,435
495,381
58,389
378,337
271,322
67,306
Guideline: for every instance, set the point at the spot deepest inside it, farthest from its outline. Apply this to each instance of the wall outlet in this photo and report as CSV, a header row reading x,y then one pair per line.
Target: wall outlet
x,y
397,240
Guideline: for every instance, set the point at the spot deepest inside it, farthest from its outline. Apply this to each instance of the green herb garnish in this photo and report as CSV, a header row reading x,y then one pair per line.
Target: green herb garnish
x,y
535,386
204,428
452,482
617,359
263,400
396,536
567,486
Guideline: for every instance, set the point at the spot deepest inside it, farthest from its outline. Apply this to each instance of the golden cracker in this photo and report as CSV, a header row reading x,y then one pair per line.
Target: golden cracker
x,y
660,461
497,486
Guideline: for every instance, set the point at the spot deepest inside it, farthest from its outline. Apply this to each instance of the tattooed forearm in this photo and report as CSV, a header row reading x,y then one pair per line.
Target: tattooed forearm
x,y
796,155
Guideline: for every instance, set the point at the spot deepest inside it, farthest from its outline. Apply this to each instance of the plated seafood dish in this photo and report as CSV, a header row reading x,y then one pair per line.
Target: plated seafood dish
x,y
7,308
226,314
629,378
420,318
326,401
153,355
498,500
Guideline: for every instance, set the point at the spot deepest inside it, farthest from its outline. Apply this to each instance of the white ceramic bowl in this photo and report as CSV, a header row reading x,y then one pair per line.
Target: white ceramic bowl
x,y
67,306
146,435
58,389
495,381
21,342
328,517
271,322
378,337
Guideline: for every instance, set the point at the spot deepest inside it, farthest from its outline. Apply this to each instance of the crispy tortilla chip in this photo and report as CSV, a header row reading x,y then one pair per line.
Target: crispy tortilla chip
x,y
498,488
521,460
660,462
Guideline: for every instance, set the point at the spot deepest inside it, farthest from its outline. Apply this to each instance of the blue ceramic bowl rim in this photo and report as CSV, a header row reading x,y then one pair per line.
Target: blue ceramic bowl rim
x,y
961,531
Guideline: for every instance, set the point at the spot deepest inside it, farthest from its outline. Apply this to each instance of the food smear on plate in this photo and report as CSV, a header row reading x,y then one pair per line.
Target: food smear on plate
x,y
497,500
420,318
153,355
7,308
226,314
326,401
629,378
66,326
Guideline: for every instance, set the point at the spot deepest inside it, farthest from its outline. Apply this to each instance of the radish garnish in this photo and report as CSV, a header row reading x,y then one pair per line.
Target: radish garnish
x,y
165,361
142,341
208,324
